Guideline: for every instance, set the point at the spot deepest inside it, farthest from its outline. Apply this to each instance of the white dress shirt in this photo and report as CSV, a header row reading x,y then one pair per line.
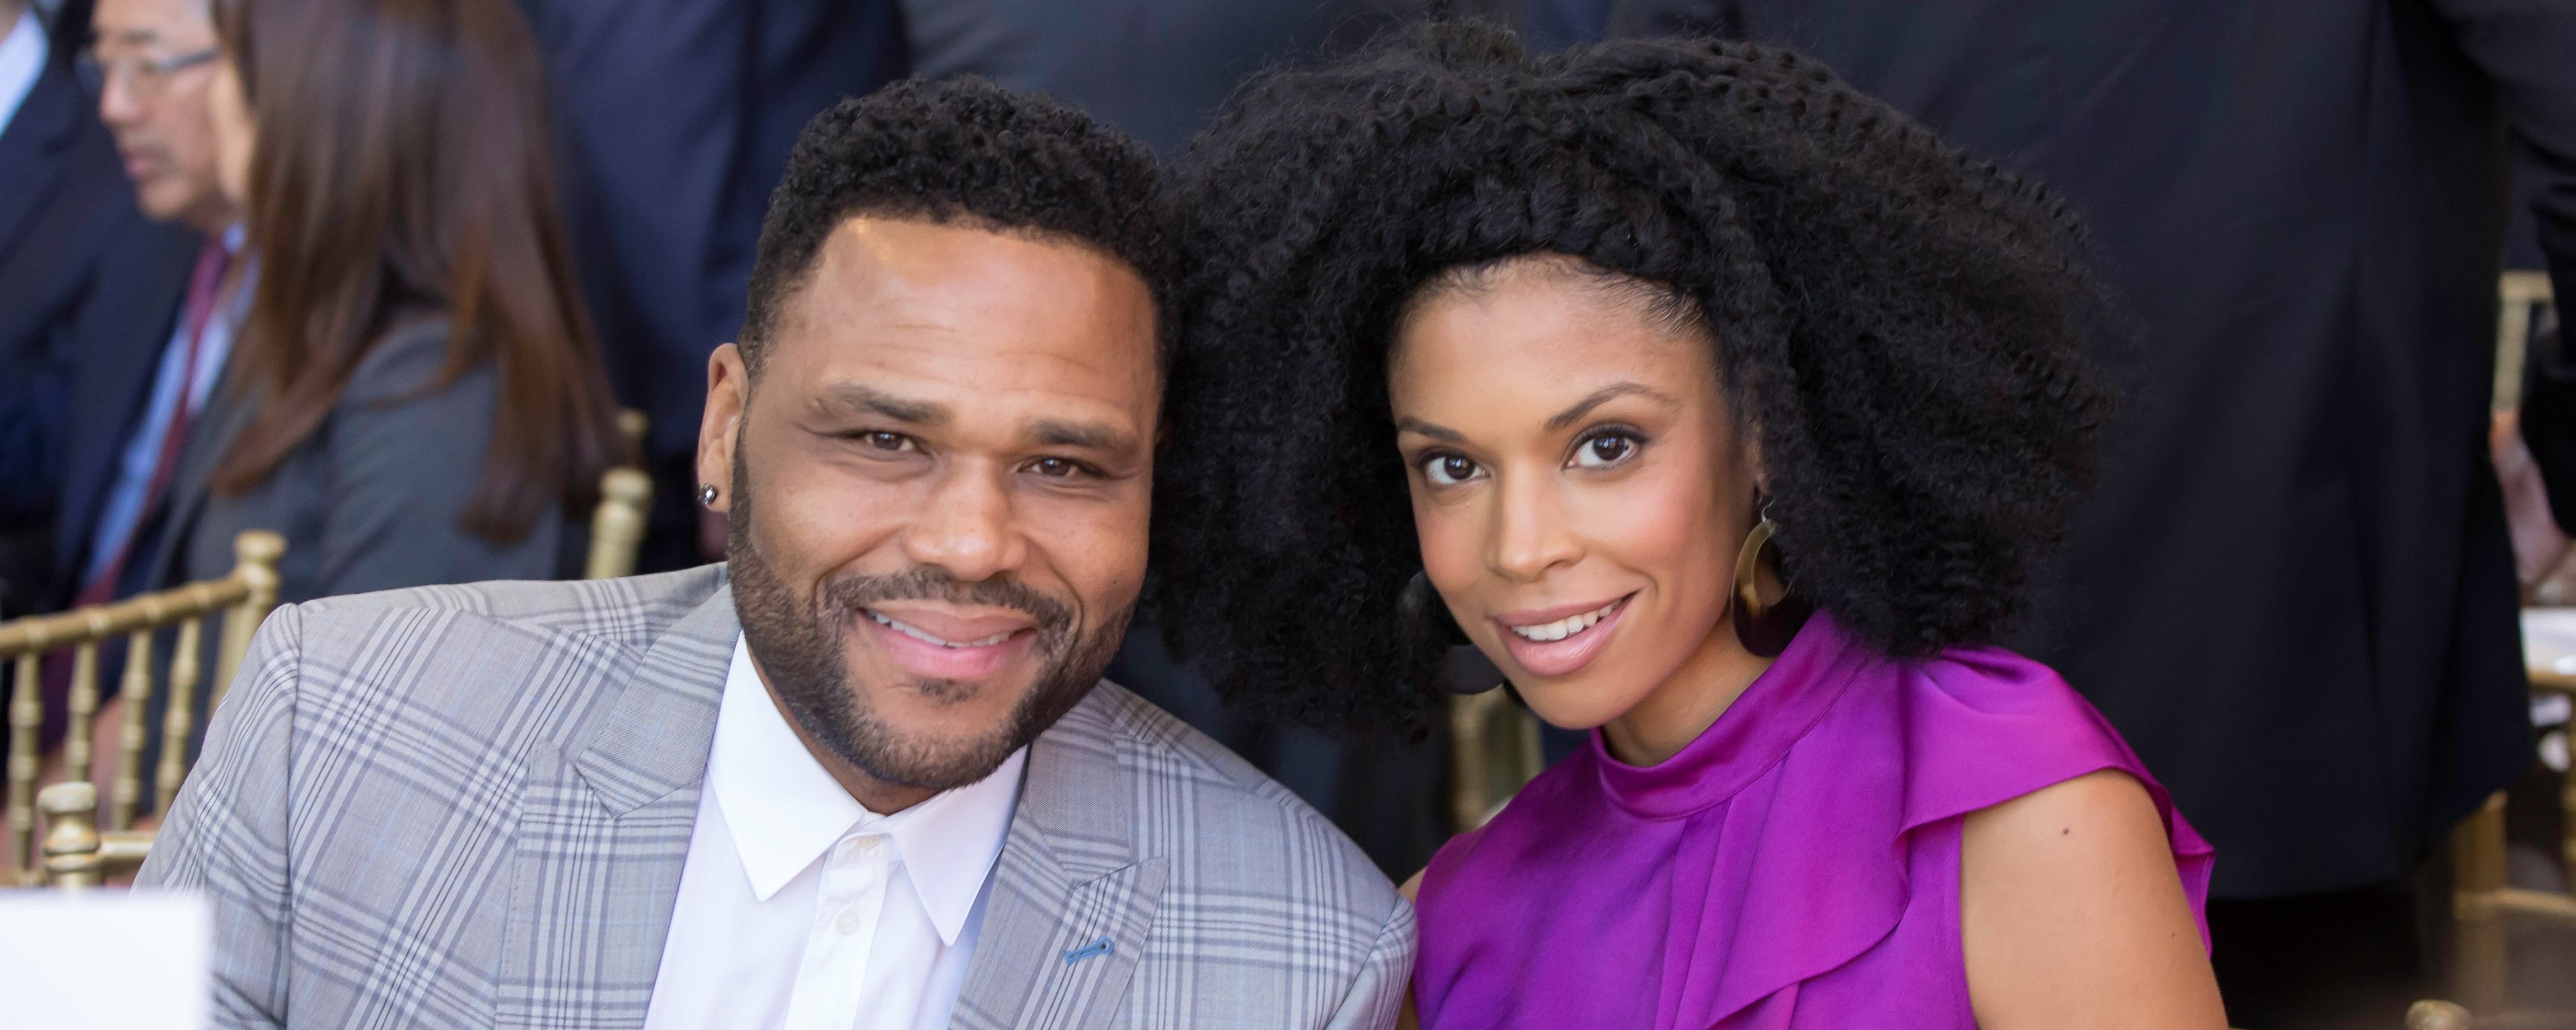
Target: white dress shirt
x,y
802,910
22,59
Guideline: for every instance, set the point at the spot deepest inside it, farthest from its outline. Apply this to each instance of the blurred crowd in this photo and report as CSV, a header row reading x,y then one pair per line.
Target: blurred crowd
x,y
379,274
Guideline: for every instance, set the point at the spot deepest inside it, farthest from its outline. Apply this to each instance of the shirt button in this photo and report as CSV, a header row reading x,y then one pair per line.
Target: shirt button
x,y
848,923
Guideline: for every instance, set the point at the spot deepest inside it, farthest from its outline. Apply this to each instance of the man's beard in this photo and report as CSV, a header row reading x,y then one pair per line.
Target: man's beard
x,y
799,644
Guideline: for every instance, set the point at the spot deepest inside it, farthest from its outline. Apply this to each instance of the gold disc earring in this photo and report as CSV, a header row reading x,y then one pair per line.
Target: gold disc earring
x,y
1765,628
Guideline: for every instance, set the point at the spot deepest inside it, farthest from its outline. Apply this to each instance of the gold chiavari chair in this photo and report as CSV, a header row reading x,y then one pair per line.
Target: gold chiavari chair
x,y
242,598
2437,1015
2485,906
625,495
2521,296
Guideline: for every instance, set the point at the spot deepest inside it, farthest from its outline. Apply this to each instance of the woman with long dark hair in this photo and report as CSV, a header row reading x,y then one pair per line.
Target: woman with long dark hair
x,y
1727,412
417,397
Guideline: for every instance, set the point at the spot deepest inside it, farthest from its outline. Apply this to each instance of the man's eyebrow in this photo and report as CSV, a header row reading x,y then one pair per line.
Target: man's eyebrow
x,y
1432,430
1096,436
870,400
1604,396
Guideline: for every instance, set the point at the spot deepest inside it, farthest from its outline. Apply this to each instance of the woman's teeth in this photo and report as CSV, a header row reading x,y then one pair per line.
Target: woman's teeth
x,y
1570,625
926,638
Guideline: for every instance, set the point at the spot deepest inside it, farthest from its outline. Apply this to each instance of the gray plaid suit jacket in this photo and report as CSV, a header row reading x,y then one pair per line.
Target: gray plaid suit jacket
x,y
469,806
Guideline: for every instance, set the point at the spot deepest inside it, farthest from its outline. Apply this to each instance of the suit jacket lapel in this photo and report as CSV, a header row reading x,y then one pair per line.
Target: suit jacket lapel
x,y
604,833
1071,902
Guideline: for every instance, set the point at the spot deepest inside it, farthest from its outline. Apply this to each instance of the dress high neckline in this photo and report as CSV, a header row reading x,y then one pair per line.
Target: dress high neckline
x,y
1751,736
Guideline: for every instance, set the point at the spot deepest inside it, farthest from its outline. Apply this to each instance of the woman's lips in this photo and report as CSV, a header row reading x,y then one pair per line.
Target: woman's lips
x,y
1568,642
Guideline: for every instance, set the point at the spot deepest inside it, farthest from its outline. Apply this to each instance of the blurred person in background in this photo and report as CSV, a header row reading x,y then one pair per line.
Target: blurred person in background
x,y
1157,69
134,361
71,245
416,398
673,120
2293,591
142,335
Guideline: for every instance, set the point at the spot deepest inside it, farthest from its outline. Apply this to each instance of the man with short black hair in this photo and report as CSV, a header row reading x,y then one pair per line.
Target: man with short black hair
x,y
865,774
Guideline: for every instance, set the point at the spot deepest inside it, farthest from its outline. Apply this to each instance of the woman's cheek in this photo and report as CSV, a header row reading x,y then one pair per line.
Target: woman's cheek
x,y
1448,544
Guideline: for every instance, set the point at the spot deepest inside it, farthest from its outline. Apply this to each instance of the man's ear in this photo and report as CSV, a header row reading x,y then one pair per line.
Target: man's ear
x,y
728,394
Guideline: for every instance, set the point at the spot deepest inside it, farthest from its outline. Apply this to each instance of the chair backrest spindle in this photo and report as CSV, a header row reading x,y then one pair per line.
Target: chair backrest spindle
x,y
136,693
179,723
255,555
26,715
77,747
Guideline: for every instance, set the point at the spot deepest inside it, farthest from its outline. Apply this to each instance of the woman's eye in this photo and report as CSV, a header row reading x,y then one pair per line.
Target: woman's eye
x,y
1448,469
1605,450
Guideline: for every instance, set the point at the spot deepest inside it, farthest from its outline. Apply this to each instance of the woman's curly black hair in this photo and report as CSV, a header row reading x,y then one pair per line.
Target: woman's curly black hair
x,y
1899,325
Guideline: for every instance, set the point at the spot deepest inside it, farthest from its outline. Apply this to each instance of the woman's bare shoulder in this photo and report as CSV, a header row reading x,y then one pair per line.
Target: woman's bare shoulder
x,y
2073,913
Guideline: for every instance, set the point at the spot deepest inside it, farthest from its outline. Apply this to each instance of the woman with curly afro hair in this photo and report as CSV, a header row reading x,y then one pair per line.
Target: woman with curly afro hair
x,y
1726,411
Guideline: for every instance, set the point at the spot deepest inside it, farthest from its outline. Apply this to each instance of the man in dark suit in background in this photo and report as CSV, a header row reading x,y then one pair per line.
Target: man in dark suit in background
x,y
674,119
1156,69
116,222
2292,591
115,350
69,239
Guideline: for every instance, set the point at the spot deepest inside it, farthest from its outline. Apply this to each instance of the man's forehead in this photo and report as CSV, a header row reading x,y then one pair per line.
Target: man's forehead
x,y
973,309
142,22
886,259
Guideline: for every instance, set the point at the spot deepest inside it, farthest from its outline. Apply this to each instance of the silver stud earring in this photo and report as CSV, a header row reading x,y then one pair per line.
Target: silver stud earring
x,y
707,495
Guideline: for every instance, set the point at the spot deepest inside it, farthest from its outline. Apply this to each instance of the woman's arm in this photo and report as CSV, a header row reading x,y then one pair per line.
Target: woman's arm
x,y
2074,916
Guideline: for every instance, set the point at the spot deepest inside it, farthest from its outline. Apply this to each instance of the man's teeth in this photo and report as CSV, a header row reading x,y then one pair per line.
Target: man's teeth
x,y
917,634
1567,626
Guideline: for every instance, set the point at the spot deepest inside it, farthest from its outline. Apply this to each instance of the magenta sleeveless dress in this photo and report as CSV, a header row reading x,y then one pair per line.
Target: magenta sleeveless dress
x,y
1796,866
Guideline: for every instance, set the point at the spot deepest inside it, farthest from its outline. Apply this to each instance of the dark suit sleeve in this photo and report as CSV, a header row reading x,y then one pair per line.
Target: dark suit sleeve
x,y
2528,49
37,374
31,419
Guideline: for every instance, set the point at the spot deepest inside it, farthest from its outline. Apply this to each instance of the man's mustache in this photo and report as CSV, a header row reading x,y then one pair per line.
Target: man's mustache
x,y
845,595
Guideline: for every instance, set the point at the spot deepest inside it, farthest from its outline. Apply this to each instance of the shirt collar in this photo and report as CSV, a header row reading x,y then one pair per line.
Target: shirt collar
x,y
22,62
785,811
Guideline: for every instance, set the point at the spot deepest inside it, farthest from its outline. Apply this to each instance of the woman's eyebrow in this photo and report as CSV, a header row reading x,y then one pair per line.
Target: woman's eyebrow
x,y
1604,396
1432,430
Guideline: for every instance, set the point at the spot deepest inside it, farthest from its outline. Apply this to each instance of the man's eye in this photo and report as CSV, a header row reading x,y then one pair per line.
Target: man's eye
x,y
1056,468
1448,469
1605,450
885,441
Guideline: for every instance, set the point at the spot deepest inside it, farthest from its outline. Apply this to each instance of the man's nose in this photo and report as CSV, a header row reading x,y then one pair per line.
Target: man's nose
x,y
968,529
117,104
